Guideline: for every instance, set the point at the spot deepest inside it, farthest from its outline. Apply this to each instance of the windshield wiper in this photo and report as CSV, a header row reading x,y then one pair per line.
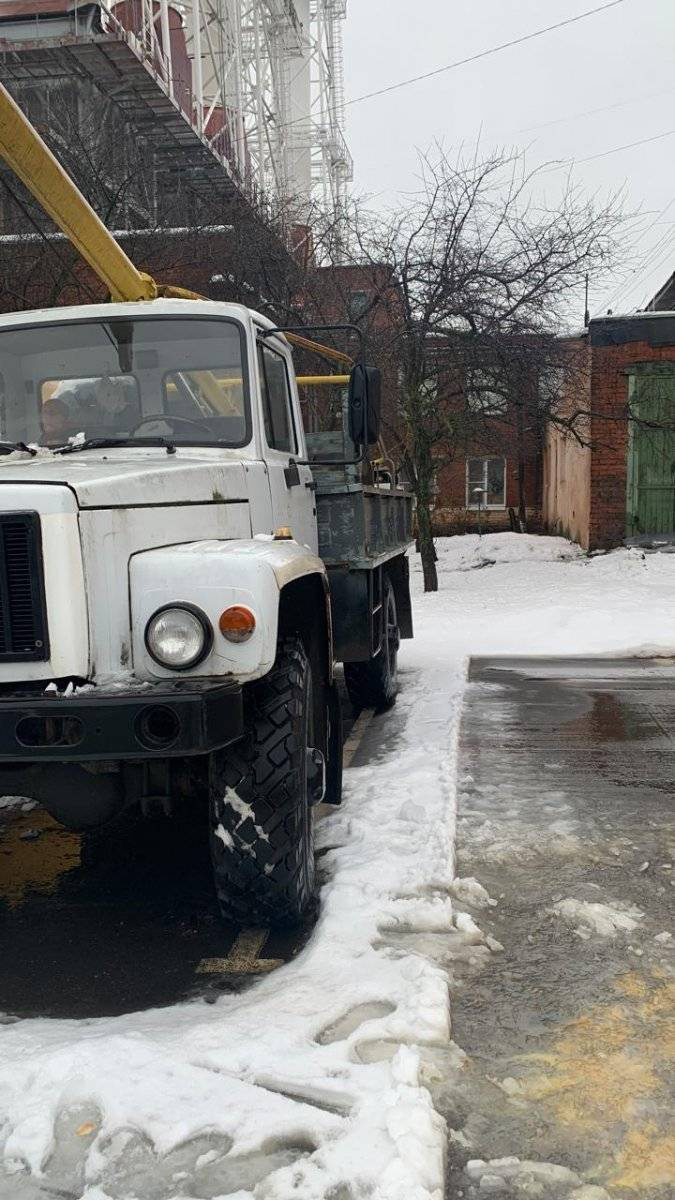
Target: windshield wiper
x,y
10,447
103,442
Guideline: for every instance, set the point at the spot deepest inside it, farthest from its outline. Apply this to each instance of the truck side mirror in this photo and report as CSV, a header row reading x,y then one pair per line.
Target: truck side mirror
x,y
365,387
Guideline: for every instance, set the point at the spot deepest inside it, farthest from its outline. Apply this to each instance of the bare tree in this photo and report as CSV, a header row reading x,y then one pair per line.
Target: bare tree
x,y
471,263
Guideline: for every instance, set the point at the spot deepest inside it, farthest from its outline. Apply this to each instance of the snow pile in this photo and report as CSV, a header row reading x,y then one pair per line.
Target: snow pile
x,y
603,919
471,551
550,602
310,1082
17,802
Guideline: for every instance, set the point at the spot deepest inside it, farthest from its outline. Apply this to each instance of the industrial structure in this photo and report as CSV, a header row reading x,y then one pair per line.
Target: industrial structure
x,y
243,95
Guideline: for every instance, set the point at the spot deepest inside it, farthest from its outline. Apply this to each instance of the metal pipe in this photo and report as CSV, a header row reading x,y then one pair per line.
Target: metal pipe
x,y
197,60
320,380
166,44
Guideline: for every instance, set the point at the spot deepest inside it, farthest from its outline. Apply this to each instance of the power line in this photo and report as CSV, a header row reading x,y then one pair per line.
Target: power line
x,y
462,62
649,268
564,162
628,146
647,263
591,112
656,267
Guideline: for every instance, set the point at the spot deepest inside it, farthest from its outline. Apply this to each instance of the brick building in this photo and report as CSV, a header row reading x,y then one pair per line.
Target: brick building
x,y
620,484
488,459
487,470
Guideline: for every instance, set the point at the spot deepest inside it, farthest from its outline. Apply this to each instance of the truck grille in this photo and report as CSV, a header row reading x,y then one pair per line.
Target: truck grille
x,y
23,618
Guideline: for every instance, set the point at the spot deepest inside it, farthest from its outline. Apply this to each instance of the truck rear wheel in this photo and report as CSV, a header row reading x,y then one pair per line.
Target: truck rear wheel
x,y
374,684
261,826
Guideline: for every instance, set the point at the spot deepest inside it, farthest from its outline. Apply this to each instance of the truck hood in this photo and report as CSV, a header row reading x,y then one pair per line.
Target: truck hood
x,y
121,478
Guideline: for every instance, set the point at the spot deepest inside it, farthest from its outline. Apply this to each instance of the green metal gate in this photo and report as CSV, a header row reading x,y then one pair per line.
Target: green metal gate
x,y
651,451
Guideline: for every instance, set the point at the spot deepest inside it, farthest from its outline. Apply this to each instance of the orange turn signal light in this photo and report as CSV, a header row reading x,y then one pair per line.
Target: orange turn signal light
x,y
237,623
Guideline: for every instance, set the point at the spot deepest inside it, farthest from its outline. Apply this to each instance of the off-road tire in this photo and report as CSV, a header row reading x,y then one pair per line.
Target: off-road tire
x,y
261,828
374,684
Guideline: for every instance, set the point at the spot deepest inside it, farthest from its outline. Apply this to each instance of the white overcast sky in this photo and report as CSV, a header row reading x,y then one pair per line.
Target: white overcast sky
x,y
530,96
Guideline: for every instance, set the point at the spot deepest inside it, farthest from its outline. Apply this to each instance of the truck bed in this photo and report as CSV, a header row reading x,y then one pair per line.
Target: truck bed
x,y
361,525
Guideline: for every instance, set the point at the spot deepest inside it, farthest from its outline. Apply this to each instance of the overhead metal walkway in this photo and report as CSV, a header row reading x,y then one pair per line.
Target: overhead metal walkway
x,y
241,96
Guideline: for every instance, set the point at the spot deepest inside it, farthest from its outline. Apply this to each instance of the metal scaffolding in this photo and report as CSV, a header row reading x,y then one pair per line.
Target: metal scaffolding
x,y
260,80
256,85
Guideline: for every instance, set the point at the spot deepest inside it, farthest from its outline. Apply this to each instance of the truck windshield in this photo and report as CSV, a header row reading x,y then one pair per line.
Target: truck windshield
x,y
139,380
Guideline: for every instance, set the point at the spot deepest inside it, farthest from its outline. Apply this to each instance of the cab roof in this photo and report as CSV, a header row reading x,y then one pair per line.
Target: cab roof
x,y
142,308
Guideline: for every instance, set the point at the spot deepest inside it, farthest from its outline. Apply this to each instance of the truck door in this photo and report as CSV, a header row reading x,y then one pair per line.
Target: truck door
x,y
293,502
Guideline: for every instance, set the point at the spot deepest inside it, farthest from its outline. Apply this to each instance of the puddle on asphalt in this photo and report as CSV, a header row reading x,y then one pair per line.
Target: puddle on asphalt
x,y
569,1035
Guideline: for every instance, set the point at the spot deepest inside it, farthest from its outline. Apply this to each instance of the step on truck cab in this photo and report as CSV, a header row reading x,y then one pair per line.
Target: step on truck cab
x,y
178,581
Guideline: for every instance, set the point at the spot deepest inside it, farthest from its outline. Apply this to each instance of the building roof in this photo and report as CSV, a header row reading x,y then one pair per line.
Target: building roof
x,y
657,328
12,10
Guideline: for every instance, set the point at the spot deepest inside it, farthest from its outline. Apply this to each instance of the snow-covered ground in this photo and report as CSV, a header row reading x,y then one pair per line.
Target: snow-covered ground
x,y
311,1083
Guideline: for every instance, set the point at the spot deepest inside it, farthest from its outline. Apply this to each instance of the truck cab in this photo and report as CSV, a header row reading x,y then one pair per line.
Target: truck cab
x,y
169,622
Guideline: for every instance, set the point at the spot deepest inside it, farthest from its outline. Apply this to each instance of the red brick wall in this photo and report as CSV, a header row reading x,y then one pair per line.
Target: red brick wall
x,y
609,431
329,292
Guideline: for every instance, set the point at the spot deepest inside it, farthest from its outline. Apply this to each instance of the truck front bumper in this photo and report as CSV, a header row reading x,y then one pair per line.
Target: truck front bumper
x,y
183,719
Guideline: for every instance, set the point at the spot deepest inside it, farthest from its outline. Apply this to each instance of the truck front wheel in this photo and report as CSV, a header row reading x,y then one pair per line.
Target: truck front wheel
x,y
261,826
374,684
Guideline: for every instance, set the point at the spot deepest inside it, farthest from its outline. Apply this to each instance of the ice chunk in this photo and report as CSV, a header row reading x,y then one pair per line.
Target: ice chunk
x,y
604,919
470,891
466,924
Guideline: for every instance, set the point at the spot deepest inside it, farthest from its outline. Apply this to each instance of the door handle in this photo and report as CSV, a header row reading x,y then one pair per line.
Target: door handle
x,y
292,474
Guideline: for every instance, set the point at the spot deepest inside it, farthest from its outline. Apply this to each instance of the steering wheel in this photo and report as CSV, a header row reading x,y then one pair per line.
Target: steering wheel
x,y
169,418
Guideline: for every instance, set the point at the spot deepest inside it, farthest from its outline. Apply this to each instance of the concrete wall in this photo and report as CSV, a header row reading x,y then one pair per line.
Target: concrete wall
x,y
567,487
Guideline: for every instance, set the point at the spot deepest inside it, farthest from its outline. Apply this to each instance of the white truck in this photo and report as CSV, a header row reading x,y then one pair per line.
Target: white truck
x,y
177,581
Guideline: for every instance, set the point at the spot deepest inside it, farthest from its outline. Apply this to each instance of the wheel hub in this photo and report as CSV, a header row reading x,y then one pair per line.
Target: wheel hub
x,y
316,775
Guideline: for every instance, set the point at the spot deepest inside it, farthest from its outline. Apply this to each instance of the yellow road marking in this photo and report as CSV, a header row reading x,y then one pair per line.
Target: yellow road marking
x,y
356,736
243,957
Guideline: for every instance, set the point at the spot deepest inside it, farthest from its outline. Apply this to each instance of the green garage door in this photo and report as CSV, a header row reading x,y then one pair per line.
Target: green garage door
x,y
651,453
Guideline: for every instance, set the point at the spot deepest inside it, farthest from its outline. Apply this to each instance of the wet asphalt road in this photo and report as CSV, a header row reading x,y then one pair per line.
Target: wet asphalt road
x,y
566,789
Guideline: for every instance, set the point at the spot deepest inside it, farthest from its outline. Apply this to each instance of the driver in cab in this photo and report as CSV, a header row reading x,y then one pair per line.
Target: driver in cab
x,y
104,407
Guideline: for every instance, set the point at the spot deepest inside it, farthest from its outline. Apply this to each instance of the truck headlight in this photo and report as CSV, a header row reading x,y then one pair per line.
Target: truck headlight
x,y
178,636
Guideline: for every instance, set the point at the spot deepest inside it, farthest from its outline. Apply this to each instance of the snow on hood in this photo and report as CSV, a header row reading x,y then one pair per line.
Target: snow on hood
x,y
131,477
